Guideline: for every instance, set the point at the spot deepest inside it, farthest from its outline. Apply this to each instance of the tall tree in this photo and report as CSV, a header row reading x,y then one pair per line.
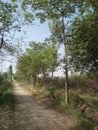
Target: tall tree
x,y
83,47
9,25
61,10
8,19
48,9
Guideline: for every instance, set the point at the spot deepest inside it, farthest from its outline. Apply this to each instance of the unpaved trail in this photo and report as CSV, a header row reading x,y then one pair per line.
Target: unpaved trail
x,y
29,115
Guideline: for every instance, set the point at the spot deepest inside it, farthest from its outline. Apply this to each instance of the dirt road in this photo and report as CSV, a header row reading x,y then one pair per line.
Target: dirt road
x,y
28,115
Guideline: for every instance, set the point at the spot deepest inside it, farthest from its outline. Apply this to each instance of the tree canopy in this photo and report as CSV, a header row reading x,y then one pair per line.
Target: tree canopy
x,y
9,25
83,44
40,58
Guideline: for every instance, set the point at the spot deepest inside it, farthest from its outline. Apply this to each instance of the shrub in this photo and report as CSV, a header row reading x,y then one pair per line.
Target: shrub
x,y
50,92
75,99
86,124
6,96
4,87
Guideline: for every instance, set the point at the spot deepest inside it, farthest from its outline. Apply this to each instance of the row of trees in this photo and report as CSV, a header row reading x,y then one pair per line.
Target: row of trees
x,y
73,24
81,56
39,59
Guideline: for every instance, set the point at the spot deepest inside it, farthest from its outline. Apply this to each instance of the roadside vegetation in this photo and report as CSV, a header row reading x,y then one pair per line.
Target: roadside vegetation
x,y
6,93
83,103
73,24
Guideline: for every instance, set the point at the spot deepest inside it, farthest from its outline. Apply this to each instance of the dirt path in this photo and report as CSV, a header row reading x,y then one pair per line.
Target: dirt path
x,y
29,115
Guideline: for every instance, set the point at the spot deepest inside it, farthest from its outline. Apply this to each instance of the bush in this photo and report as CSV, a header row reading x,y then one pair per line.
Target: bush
x,y
74,112
86,124
5,85
50,91
77,80
6,96
75,99
83,84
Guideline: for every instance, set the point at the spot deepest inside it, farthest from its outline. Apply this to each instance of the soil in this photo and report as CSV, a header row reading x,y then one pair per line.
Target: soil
x,y
29,115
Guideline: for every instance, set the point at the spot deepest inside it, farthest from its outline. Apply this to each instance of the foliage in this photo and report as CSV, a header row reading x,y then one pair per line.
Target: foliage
x,y
4,84
50,91
86,124
9,24
48,10
6,97
78,81
83,48
10,73
58,103
40,58
7,10
7,101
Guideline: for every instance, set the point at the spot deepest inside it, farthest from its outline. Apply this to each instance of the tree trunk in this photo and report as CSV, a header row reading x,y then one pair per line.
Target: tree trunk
x,y
33,79
66,64
52,72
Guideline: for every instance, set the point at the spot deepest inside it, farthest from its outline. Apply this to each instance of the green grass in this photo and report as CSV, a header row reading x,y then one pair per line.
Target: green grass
x,y
92,100
75,114
71,109
7,100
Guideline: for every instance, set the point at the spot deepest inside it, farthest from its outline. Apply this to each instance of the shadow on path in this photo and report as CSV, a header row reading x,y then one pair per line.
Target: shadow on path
x,y
28,115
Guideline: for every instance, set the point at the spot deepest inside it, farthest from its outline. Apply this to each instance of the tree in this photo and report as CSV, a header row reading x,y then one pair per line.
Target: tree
x,y
7,19
23,67
48,9
40,58
83,46
10,73
61,10
9,25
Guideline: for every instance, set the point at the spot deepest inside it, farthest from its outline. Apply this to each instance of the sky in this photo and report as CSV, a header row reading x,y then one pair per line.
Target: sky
x,y
37,32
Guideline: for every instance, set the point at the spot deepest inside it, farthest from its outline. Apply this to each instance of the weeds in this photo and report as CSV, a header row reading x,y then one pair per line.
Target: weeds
x,y
6,96
81,89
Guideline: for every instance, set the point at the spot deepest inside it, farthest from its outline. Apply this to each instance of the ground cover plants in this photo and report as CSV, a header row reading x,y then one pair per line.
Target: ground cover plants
x,y
83,100
6,94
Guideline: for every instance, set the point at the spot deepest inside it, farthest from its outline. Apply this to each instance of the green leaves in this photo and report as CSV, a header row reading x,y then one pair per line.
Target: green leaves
x,y
28,17
14,0
84,43
40,58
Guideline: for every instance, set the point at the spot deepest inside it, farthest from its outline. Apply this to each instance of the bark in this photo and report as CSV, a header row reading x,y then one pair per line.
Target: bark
x,y
52,73
66,64
2,41
33,79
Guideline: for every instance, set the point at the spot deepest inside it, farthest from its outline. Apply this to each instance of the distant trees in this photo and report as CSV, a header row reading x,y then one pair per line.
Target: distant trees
x,y
40,58
10,73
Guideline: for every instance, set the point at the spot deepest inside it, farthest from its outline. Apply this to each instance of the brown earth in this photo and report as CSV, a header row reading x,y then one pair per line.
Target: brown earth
x,y
29,115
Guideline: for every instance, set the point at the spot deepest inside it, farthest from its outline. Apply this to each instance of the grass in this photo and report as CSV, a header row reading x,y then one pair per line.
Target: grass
x,y
71,109
6,100
75,114
92,101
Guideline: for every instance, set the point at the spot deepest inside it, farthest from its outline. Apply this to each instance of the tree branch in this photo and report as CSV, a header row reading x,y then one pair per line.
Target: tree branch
x,y
2,41
94,4
57,8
